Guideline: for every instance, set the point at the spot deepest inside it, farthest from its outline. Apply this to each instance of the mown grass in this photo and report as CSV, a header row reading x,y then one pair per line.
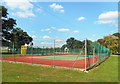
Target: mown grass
x,y
12,55
105,72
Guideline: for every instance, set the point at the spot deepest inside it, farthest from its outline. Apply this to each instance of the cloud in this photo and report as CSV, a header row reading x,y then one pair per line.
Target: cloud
x,y
19,4
108,18
46,37
91,40
48,44
53,27
33,31
23,8
109,15
63,30
50,32
115,30
105,22
57,7
34,36
45,30
24,14
39,10
44,42
81,18
61,10
58,40
93,35
76,31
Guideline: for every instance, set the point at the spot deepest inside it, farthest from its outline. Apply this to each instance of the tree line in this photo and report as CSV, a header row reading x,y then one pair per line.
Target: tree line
x,y
111,42
12,35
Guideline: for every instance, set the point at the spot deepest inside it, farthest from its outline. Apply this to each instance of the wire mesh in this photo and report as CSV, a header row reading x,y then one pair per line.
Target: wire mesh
x,y
96,53
59,57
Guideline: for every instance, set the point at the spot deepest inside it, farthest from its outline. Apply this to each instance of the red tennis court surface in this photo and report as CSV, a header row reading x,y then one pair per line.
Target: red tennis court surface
x,y
61,63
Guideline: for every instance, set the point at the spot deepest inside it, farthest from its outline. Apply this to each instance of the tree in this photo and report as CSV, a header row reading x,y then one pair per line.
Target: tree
x,y
19,37
112,42
77,44
100,41
90,46
11,35
70,42
7,25
63,46
117,34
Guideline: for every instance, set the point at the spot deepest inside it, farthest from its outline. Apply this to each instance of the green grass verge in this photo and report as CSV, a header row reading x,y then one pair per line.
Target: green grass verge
x,y
105,72
12,55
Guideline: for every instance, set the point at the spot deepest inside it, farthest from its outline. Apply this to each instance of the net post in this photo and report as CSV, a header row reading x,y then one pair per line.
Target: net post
x,y
85,52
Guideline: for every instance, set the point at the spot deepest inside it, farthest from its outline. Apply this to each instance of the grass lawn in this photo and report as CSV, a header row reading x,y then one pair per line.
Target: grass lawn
x,y
105,72
12,55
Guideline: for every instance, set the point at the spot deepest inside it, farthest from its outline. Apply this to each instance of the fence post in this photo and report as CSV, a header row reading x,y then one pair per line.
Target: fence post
x,y
100,53
85,52
14,51
54,55
31,53
46,50
43,50
93,55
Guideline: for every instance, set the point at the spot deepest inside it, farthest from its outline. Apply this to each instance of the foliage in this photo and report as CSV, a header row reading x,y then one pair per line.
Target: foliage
x,y
77,44
111,42
7,25
72,43
10,34
19,37
100,41
117,34
63,46
89,46
3,11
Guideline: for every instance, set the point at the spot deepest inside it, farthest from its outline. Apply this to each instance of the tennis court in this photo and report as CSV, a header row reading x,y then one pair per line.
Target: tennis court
x,y
68,61
61,57
84,58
